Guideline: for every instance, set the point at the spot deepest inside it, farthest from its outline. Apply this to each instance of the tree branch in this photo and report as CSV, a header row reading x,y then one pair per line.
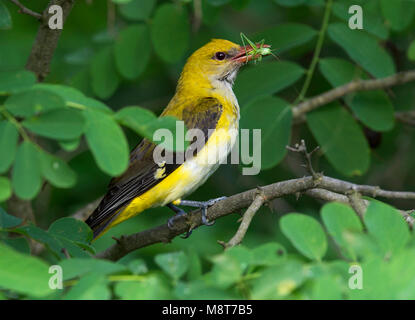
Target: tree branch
x,y
325,195
406,117
25,10
220,209
246,221
232,204
46,41
358,85
343,187
39,62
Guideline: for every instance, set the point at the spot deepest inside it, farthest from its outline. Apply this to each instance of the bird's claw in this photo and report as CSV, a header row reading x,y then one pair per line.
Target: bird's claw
x,y
207,204
172,220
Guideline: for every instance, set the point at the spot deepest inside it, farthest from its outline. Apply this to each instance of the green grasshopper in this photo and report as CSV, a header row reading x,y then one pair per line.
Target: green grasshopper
x,y
261,51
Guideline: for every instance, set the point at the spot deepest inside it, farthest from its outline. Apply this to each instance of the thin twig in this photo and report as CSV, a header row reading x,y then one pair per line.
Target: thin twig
x,y
406,117
317,51
302,148
27,11
357,203
358,85
246,221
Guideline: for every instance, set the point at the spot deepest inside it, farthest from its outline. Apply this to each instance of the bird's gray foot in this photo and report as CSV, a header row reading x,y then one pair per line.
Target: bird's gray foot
x,y
179,213
203,205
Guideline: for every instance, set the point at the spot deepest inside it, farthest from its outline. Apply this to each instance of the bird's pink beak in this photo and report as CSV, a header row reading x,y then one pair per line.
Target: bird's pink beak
x,y
242,56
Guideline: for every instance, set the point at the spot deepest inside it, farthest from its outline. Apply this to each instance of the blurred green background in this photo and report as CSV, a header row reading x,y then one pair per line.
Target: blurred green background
x,y
292,28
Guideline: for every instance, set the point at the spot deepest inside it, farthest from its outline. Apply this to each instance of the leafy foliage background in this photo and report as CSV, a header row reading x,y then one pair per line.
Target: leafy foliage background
x,y
111,77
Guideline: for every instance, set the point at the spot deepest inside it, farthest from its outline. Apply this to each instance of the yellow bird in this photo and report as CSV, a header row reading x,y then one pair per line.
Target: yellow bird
x,y
203,100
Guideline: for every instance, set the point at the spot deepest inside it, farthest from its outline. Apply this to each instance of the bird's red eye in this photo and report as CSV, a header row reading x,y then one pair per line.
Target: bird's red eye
x,y
220,55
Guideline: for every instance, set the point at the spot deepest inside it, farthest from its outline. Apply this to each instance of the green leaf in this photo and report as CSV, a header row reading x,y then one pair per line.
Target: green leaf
x,y
72,229
79,267
5,189
339,71
40,235
330,125
170,32
107,142
137,119
327,287
227,270
34,101
5,18
398,13
306,234
15,81
273,117
411,51
265,79
380,280
7,220
151,287
19,244
387,226
372,21
145,123
8,141
240,254
286,36
340,220
198,290
175,264
72,248
23,274
132,51
104,76
74,98
57,171
57,124
268,254
90,287
137,266
278,282
195,265
26,174
137,10
363,49
373,108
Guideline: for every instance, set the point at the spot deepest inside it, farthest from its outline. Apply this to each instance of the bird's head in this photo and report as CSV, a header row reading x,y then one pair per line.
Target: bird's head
x,y
216,63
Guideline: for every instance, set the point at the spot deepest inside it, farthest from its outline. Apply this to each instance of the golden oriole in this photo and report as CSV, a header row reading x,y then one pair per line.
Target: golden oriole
x,y
204,100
